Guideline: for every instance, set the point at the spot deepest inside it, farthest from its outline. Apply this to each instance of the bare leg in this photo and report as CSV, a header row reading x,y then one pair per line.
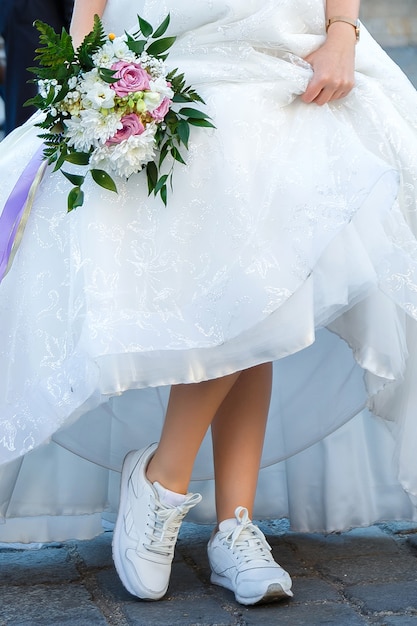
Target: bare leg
x,y
238,432
190,411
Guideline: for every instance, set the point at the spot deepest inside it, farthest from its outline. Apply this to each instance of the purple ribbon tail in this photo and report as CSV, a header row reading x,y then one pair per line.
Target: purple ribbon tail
x,y
14,208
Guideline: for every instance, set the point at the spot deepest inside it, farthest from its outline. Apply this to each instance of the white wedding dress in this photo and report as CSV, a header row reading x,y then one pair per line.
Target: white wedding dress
x,y
290,236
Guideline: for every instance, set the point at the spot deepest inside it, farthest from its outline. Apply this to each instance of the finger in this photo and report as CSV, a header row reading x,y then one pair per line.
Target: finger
x,y
312,92
340,94
326,95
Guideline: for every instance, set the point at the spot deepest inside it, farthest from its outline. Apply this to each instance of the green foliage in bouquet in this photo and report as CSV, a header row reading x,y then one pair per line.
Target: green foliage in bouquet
x,y
61,67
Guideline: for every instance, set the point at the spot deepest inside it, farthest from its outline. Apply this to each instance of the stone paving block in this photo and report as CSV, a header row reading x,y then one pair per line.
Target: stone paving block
x,y
287,557
395,596
202,611
110,586
402,527
184,581
197,557
184,584
49,606
275,527
194,533
314,590
396,620
309,614
371,568
187,602
42,566
412,543
359,542
96,553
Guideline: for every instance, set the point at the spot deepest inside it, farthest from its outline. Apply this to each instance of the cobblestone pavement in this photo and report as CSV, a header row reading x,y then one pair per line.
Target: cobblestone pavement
x,y
362,577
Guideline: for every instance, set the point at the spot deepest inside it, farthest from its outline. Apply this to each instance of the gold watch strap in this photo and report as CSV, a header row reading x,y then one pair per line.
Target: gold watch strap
x,y
347,20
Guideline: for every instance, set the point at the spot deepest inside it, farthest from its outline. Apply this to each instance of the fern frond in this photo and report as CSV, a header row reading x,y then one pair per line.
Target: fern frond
x,y
56,51
91,43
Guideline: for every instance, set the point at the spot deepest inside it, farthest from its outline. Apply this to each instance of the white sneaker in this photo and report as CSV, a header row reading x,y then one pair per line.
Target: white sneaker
x,y
241,560
146,530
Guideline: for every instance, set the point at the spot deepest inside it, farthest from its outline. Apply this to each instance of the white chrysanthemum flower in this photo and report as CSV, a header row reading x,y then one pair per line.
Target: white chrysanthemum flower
x,y
91,128
127,157
99,96
113,51
104,57
76,135
121,50
72,82
88,80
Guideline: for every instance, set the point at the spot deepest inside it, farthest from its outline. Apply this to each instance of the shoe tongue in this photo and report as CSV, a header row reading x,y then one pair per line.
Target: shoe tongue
x,y
171,498
227,525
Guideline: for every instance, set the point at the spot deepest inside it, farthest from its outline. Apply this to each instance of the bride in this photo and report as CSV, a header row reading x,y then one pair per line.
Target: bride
x,y
277,291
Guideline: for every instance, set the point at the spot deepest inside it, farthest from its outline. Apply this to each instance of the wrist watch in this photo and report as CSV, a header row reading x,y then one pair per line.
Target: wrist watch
x,y
339,18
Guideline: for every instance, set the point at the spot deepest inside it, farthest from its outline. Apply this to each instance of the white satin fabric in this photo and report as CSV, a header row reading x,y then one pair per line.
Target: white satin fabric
x,y
290,236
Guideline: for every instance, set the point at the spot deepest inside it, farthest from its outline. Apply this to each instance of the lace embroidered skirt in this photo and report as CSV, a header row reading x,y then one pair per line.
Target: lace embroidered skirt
x,y
290,237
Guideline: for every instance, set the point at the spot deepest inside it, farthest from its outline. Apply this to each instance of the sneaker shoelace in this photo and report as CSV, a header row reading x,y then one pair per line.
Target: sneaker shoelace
x,y
164,525
247,541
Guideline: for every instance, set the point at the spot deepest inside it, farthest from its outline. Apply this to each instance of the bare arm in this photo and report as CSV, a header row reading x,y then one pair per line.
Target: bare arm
x,y
333,63
83,18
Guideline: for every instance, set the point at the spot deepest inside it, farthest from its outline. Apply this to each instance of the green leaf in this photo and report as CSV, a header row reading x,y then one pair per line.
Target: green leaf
x,y
136,46
194,113
164,194
171,118
107,75
177,156
75,198
145,28
78,158
159,46
104,180
75,179
162,28
91,43
61,160
161,182
50,97
183,132
37,102
163,154
201,123
152,175
57,48
180,98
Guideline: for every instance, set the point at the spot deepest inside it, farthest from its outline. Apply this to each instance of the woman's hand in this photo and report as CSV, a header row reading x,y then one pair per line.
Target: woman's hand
x,y
333,66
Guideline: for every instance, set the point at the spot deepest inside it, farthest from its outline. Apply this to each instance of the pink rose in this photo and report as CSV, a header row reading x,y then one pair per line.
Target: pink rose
x,y
161,110
132,77
131,126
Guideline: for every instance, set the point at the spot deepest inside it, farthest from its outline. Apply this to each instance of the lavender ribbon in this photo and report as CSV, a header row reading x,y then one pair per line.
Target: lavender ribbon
x,y
14,209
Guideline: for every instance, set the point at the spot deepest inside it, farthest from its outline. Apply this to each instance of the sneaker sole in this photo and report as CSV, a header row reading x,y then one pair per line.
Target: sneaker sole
x,y
129,464
274,593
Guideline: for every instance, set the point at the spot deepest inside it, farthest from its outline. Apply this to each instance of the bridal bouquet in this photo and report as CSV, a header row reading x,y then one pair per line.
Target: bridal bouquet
x,y
112,106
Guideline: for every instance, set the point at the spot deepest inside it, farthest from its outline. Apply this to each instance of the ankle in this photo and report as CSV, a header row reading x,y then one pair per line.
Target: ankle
x,y
155,475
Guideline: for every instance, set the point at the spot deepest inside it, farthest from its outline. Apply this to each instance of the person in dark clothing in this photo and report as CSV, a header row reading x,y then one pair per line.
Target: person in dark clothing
x,y
21,40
